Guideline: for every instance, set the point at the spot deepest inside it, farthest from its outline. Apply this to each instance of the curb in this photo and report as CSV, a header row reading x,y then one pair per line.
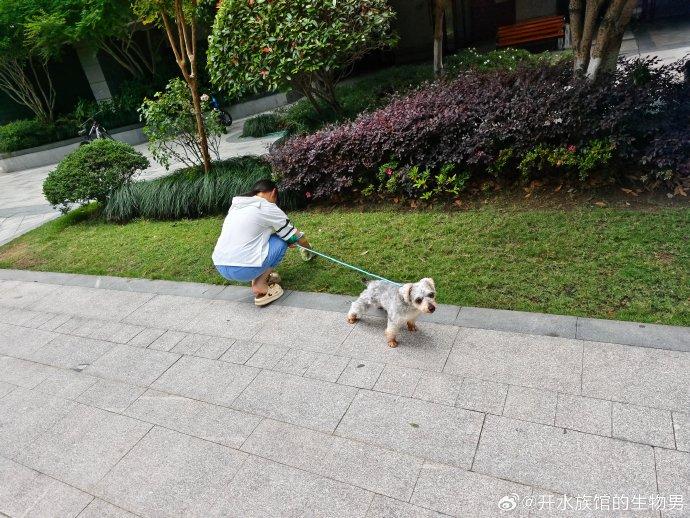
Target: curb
x,y
671,338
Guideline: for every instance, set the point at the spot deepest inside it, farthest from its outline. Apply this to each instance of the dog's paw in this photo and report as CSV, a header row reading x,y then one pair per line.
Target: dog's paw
x,y
352,319
392,342
411,327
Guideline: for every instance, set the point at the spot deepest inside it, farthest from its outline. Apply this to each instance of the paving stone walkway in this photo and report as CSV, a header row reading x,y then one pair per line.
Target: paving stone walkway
x,y
124,397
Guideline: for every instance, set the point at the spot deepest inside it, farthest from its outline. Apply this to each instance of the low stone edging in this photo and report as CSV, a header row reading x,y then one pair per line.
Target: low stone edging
x,y
54,152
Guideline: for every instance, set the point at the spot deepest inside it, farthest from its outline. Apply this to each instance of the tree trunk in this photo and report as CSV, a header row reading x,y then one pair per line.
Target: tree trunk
x,y
596,29
303,86
576,9
604,53
439,11
200,128
326,91
184,48
16,82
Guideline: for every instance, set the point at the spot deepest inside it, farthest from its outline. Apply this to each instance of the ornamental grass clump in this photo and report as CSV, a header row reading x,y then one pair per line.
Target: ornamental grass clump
x,y
190,193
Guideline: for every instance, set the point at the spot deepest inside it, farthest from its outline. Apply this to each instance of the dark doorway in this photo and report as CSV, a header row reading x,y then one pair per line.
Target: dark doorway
x,y
488,15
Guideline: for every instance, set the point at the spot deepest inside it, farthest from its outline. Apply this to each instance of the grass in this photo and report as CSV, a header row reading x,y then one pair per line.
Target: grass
x,y
615,263
261,125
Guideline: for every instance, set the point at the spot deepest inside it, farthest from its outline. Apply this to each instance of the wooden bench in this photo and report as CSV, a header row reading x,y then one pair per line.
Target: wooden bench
x,y
531,31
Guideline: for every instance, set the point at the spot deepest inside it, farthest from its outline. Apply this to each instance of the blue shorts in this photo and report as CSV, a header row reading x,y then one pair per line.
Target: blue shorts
x,y
276,251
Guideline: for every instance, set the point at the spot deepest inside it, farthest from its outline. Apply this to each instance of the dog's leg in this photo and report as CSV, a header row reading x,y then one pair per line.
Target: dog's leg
x,y
412,326
391,333
357,309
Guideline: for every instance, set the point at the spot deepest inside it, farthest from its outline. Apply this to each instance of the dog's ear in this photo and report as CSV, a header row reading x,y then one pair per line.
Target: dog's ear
x,y
406,292
430,282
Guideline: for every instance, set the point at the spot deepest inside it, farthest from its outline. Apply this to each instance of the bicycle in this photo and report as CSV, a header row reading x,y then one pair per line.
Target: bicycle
x,y
225,117
97,131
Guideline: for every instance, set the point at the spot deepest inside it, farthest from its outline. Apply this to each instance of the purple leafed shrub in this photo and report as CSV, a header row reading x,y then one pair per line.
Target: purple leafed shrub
x,y
507,124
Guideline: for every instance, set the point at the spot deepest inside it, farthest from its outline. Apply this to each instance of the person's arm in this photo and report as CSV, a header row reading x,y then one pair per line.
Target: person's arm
x,y
283,227
300,240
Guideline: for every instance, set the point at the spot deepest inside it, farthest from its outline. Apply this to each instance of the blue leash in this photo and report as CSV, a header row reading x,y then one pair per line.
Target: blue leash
x,y
337,261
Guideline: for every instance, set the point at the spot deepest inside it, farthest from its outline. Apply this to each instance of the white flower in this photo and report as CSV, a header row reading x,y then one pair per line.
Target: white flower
x,y
205,97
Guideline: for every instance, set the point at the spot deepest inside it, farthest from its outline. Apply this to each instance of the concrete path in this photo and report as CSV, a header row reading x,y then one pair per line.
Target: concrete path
x,y
23,207
122,397
668,39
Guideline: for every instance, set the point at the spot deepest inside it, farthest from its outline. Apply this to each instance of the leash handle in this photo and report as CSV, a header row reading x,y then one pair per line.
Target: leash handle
x,y
342,263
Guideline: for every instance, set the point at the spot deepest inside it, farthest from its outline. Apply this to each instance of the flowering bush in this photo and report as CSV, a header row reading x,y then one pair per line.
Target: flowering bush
x,y
270,45
526,123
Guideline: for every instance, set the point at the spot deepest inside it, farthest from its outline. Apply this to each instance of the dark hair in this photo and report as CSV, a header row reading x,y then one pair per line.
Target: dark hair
x,y
265,185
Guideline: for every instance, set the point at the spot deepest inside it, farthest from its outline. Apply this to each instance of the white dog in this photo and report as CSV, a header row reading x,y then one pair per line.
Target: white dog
x,y
403,304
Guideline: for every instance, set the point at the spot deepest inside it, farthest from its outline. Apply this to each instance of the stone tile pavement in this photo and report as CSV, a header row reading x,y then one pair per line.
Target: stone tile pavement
x,y
667,39
23,207
168,399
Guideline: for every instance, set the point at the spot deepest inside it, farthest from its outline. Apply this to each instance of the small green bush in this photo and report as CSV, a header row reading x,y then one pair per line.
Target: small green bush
x,y
189,193
261,125
113,113
585,160
418,182
121,110
92,172
171,126
23,134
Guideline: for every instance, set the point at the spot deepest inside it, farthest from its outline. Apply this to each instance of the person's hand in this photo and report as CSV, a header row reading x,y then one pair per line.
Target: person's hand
x,y
303,242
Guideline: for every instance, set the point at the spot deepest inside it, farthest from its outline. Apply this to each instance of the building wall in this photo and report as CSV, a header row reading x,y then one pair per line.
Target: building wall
x,y
526,9
414,25
664,8
486,16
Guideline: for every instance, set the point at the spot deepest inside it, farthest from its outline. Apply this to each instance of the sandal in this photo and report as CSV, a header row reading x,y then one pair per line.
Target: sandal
x,y
274,293
274,278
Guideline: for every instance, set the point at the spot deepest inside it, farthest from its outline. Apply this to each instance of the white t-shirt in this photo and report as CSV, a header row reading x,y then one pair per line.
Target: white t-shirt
x,y
250,222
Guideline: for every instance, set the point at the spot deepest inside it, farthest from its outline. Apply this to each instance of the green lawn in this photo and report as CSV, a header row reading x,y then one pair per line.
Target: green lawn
x,y
608,263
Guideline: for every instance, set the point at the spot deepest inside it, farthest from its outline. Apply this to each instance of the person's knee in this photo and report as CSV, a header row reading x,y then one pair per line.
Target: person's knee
x,y
277,251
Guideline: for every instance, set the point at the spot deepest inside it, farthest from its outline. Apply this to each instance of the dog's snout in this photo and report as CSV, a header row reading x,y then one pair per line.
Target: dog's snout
x,y
432,308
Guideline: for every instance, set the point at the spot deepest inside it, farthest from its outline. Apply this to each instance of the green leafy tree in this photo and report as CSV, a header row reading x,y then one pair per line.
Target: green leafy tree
x,y
32,32
108,25
265,45
24,74
179,19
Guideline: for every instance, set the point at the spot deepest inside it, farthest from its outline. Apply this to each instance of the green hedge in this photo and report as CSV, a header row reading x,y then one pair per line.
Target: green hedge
x,y
28,133
121,110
